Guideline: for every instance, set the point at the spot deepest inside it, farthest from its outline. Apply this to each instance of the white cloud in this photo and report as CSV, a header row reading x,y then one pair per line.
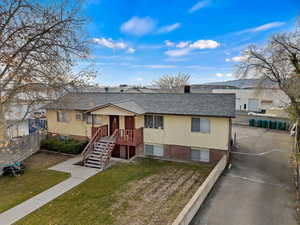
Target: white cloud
x,y
169,28
199,5
203,44
182,44
138,26
263,27
109,43
229,75
236,59
178,52
219,74
130,50
169,43
186,47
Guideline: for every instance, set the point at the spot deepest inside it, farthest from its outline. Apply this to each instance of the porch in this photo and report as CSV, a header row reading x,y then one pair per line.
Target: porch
x,y
126,140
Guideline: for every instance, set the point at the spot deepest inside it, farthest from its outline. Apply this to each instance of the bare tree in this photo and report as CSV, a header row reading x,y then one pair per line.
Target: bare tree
x,y
278,61
39,46
172,81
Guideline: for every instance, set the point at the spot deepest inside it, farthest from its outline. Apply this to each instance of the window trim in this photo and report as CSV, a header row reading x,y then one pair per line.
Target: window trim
x,y
201,131
153,150
200,149
154,121
60,118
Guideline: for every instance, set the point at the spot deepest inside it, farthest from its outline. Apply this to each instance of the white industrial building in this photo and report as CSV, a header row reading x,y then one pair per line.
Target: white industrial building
x,y
255,100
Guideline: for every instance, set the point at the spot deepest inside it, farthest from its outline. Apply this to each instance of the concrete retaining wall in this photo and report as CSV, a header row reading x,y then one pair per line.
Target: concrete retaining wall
x,y
191,208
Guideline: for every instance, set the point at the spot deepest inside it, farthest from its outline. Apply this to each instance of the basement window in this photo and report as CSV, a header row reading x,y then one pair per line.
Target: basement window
x,y
153,150
201,155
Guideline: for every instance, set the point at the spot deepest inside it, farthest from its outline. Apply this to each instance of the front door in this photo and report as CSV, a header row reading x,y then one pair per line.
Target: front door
x,y
129,122
113,123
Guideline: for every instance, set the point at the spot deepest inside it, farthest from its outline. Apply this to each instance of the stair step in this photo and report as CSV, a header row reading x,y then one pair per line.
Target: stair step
x,y
93,166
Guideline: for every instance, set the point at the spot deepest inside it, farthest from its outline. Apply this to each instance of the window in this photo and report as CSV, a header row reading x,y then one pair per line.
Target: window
x,y
201,155
89,119
96,119
61,116
93,119
201,125
154,150
79,116
154,121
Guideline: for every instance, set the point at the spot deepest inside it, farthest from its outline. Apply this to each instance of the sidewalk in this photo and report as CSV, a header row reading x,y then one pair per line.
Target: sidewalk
x,y
78,175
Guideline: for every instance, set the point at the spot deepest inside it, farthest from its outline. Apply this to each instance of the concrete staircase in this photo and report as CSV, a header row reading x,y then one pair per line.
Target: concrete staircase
x,y
100,156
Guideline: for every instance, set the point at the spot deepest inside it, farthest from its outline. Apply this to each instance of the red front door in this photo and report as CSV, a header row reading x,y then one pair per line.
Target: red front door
x,y
113,123
129,122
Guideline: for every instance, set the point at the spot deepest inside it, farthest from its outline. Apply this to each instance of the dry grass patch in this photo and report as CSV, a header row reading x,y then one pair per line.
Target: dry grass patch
x,y
145,191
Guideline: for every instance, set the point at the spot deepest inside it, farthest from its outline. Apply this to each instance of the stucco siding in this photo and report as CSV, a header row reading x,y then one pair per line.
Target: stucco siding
x,y
177,131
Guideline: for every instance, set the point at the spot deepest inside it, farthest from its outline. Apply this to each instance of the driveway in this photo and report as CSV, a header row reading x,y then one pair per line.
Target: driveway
x,y
258,188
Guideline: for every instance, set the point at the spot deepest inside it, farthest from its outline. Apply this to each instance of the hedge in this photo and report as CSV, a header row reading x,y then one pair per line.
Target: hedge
x,y
68,146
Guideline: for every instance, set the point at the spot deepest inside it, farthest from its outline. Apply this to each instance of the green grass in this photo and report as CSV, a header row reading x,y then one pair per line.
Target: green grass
x,y
91,203
15,190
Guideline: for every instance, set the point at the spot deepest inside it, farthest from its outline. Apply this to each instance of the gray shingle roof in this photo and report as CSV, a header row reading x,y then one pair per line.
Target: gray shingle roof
x,y
202,104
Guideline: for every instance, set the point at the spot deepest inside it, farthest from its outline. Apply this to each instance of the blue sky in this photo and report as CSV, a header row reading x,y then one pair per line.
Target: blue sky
x,y
137,41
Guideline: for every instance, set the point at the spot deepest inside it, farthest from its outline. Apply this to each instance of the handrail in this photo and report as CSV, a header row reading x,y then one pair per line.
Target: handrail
x,y
108,149
101,131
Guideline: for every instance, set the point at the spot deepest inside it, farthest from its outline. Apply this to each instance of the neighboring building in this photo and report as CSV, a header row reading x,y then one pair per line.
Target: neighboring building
x,y
252,95
256,100
173,126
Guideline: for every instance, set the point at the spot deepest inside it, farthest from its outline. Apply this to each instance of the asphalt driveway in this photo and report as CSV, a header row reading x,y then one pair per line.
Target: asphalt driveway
x,y
258,188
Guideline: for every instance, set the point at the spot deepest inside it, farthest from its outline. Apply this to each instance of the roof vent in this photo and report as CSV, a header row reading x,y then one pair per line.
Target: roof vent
x,y
187,89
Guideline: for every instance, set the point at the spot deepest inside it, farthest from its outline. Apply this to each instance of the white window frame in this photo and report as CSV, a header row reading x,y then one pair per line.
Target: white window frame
x,y
157,150
202,155
201,129
61,116
79,116
154,124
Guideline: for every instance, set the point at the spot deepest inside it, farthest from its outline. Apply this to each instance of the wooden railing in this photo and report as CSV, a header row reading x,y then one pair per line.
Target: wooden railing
x,y
108,149
98,132
130,137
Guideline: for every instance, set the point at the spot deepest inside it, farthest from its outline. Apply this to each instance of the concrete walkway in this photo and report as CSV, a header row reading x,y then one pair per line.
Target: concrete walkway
x,y
78,175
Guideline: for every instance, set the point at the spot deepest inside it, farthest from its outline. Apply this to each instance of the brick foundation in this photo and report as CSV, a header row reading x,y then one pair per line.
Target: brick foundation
x,y
182,153
177,152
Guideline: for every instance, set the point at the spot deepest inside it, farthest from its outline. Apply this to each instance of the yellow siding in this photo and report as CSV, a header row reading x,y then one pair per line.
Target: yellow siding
x,y
177,131
111,110
73,126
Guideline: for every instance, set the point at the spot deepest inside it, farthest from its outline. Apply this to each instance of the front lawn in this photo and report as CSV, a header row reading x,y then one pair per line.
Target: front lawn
x,y
14,190
145,192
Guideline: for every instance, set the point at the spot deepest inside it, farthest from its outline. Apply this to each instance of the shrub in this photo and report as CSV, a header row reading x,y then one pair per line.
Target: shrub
x,y
68,146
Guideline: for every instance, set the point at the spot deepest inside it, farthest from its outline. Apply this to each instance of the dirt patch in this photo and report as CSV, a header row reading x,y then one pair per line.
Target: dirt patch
x,y
44,160
158,199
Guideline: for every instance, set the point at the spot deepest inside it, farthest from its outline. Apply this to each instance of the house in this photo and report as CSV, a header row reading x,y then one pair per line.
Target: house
x,y
178,126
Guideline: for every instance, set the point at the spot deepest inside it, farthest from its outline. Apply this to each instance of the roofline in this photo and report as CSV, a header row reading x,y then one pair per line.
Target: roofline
x,y
177,114
106,105
181,114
